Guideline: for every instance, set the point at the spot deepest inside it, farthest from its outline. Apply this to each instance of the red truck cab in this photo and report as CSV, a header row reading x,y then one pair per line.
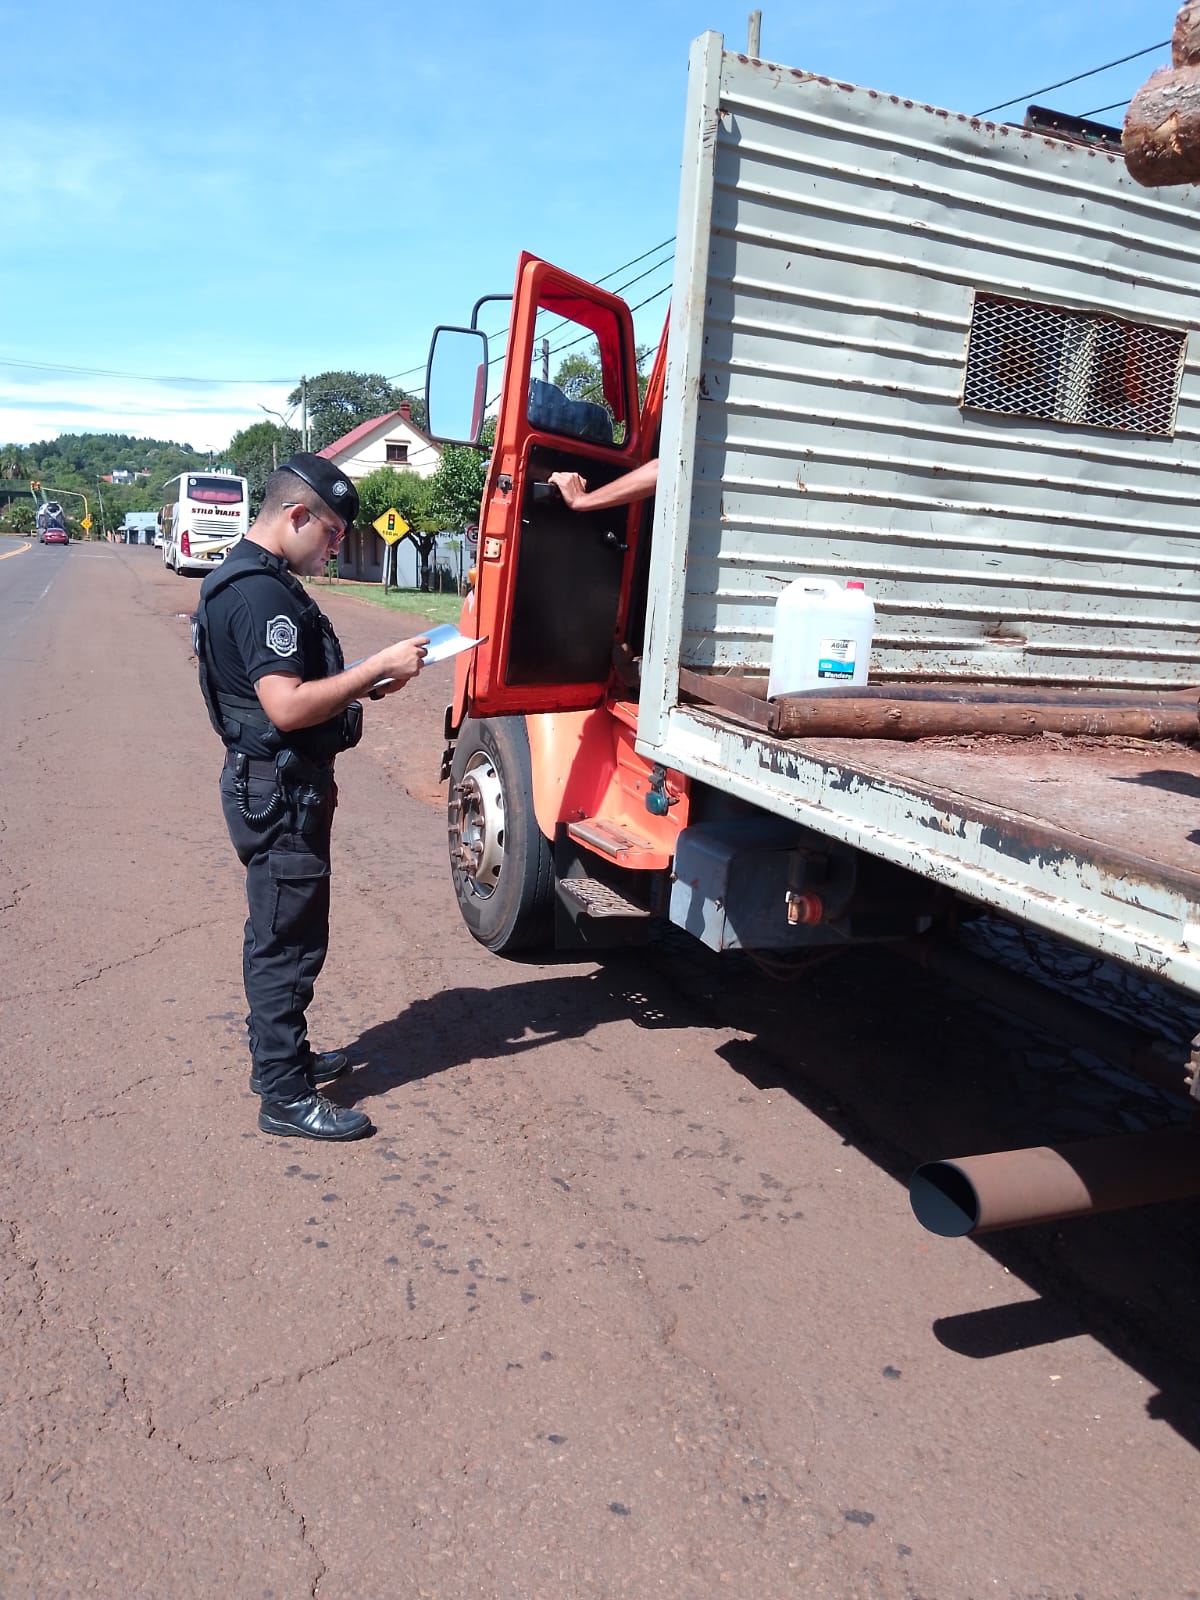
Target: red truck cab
x,y
551,810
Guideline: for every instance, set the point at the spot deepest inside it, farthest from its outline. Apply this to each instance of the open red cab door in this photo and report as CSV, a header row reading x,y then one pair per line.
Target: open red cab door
x,y
552,586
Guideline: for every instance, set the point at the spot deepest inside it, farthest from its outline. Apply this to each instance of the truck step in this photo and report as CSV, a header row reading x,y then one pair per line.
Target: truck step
x,y
607,838
598,899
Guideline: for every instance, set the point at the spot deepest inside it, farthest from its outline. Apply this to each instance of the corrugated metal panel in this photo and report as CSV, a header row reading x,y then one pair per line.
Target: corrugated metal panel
x,y
841,236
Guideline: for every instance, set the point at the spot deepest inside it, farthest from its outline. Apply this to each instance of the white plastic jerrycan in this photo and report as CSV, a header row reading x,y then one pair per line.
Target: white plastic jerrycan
x,y
822,636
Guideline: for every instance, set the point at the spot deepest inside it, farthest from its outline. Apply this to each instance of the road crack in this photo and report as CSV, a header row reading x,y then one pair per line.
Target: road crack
x,y
140,955
16,891
30,1262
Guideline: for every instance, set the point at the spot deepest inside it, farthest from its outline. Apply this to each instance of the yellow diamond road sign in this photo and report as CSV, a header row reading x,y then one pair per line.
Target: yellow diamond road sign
x,y
391,525
85,522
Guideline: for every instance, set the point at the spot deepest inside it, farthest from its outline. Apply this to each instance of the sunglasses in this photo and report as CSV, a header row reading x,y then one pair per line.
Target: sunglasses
x,y
332,532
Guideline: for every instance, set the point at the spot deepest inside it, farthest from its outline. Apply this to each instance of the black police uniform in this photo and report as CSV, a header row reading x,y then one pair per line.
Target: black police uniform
x,y
277,795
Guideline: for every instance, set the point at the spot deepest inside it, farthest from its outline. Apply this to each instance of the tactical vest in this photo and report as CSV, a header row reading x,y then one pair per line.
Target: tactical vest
x,y
230,714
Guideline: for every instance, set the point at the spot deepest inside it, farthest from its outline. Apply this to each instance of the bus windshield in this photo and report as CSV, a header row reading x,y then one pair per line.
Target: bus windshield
x,y
215,491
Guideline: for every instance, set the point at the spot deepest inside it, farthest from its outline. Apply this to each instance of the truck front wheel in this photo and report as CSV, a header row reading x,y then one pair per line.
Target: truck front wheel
x,y
500,861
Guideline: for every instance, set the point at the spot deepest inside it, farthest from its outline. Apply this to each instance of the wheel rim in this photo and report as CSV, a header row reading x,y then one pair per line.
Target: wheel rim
x,y
480,853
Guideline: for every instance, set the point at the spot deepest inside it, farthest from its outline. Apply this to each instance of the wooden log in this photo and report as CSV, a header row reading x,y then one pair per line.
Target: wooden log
x,y
1161,137
907,719
1185,41
893,711
1064,697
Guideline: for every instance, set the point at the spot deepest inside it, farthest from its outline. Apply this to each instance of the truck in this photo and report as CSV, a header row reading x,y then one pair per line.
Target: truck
x,y
946,358
51,523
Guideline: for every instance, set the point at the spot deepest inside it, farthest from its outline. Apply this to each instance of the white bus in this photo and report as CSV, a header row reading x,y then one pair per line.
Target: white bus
x,y
202,515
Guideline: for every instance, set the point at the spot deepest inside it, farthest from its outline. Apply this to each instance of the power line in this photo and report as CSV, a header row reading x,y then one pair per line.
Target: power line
x,y
1078,78
1116,106
621,288
661,245
657,295
147,377
137,377
624,267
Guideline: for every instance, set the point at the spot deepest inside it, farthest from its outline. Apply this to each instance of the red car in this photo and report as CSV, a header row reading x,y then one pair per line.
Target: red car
x,y
54,536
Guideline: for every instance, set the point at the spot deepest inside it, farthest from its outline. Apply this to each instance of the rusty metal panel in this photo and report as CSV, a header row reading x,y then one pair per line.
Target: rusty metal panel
x,y
1077,842
832,242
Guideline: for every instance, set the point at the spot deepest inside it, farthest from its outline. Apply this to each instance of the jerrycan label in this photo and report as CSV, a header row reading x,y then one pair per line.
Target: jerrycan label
x,y
836,659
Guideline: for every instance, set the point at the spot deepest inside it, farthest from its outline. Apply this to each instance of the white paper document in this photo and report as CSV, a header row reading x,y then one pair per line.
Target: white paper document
x,y
446,641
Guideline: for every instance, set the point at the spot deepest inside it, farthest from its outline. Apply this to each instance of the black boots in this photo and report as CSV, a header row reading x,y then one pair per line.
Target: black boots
x,y
313,1117
322,1068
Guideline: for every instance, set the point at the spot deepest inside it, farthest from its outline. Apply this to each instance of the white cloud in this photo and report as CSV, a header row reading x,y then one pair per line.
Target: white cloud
x,y
34,408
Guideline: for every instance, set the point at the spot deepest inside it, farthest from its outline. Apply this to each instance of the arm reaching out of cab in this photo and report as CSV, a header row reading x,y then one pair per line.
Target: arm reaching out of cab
x,y
639,484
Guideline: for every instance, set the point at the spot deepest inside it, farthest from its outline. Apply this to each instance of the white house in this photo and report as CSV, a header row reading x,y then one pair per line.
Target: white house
x,y
393,441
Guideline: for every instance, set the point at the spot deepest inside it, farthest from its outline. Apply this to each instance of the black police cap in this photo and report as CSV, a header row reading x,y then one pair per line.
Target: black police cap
x,y
328,481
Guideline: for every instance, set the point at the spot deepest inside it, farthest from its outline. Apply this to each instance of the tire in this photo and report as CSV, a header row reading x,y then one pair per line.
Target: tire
x,y
501,864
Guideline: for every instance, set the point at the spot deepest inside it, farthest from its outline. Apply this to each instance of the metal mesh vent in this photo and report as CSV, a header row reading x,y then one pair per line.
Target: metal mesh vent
x,y
1028,360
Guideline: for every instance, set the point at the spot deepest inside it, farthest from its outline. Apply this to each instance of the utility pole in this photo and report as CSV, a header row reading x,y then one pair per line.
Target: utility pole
x,y
304,413
100,496
545,360
754,44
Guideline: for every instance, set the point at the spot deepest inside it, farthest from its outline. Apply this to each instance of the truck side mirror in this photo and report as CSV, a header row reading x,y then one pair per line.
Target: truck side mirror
x,y
456,385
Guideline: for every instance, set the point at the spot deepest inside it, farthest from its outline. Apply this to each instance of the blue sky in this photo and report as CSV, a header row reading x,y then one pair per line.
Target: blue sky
x,y
229,195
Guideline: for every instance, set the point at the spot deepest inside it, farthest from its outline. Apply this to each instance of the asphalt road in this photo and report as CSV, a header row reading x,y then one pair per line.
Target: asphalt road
x,y
625,1296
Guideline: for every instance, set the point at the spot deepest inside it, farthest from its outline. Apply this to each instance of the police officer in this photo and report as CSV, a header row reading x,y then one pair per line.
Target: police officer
x,y
281,697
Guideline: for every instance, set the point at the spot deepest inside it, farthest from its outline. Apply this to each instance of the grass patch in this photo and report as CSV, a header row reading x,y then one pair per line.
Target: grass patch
x,y
433,607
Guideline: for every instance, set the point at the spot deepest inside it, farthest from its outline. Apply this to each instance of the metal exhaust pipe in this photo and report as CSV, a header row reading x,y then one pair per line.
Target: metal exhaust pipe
x,y
1013,1188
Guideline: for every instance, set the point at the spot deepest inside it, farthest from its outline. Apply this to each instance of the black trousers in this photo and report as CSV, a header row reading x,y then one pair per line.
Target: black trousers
x,y
287,929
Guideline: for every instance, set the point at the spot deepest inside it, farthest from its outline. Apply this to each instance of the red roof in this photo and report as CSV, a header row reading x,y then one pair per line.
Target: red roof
x,y
357,435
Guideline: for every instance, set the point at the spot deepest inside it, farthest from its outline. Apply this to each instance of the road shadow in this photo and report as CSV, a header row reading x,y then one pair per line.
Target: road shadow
x,y
902,1066
463,1024
906,1068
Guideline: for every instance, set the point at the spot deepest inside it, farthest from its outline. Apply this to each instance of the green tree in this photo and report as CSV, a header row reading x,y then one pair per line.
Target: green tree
x,y
15,462
256,451
406,492
78,463
18,516
411,495
457,487
579,377
339,401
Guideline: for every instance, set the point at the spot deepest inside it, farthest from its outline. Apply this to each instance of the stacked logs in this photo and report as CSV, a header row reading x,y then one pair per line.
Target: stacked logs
x,y
1161,137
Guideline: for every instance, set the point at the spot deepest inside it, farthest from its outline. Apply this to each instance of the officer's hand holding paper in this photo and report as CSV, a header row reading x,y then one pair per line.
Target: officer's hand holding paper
x,y
398,663
440,644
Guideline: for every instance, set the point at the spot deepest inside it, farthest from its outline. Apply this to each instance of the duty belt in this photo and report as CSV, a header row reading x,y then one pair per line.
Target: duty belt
x,y
256,767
